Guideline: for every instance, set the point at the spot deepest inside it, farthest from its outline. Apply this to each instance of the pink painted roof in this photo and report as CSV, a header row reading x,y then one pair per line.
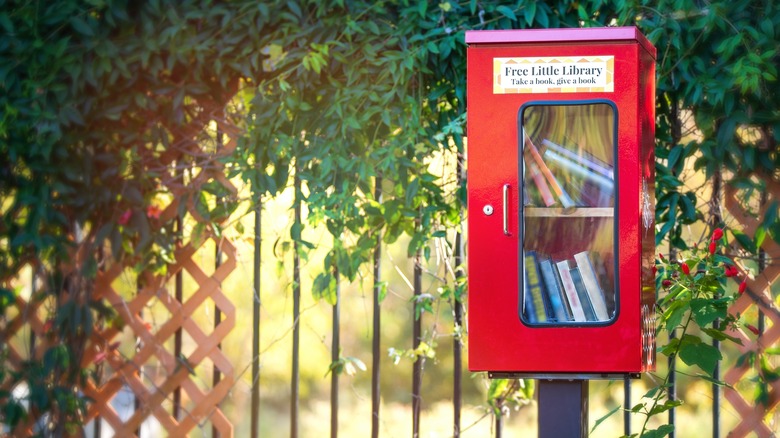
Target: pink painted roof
x,y
595,34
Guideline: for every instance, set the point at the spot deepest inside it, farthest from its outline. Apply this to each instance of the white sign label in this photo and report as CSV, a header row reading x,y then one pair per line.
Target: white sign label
x,y
579,74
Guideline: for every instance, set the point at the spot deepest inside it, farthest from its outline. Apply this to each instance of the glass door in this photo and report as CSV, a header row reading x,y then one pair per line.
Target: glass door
x,y
568,226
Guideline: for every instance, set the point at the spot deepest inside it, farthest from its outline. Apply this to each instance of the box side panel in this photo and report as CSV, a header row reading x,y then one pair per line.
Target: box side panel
x,y
498,340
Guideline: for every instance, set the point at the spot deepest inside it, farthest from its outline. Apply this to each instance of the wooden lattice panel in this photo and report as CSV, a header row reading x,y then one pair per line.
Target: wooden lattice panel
x,y
173,373
757,294
128,371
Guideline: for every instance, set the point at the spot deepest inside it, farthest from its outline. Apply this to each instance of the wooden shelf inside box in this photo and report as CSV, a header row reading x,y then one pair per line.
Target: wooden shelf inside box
x,y
569,212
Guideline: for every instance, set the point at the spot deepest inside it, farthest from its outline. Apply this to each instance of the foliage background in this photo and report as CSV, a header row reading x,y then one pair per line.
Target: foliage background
x,y
96,95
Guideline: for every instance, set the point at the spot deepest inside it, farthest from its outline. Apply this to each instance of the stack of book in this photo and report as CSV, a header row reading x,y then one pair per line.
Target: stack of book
x,y
557,292
563,175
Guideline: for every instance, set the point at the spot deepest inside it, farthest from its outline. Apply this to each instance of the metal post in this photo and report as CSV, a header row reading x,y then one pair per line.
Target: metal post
x,y
563,408
179,294
294,390
627,406
335,353
255,413
458,322
375,344
417,335
216,374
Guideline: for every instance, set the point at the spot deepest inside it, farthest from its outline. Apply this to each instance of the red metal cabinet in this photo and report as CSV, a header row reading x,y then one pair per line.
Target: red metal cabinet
x,y
561,204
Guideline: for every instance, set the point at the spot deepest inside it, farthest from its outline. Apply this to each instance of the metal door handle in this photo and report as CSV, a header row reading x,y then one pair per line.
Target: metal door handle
x,y
506,209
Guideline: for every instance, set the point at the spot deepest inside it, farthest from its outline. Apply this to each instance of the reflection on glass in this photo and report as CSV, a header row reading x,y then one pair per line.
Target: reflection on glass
x,y
568,213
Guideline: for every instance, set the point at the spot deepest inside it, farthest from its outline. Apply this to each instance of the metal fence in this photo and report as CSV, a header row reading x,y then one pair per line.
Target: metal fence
x,y
170,369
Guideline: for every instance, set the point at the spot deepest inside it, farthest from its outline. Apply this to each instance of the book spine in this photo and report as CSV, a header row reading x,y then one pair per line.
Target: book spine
x,y
587,306
556,187
586,160
527,302
553,287
571,292
541,184
592,286
535,287
605,184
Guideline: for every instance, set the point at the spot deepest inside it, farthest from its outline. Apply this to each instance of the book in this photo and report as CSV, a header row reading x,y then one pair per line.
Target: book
x,y
534,287
554,289
541,184
527,311
605,280
589,279
583,158
605,184
554,184
570,291
587,306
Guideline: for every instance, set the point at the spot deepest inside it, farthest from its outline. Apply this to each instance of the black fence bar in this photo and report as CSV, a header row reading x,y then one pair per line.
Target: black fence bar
x,y
672,384
294,387
627,406
417,335
179,294
334,355
716,389
138,346
375,342
457,350
499,425
217,375
255,413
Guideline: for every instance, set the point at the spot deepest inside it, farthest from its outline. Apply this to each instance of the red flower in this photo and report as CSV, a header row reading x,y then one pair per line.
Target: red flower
x,y
125,218
153,212
731,271
743,286
666,283
100,357
752,328
654,270
717,233
662,256
685,268
713,246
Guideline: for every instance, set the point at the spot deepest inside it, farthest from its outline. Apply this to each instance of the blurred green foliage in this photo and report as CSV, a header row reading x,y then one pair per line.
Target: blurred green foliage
x,y
104,104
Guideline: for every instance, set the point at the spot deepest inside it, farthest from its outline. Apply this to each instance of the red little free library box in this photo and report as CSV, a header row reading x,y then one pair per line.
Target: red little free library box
x,y
561,198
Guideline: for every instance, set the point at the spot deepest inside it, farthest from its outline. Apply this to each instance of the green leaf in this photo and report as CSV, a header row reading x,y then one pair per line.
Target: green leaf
x,y
81,26
705,311
607,415
703,355
744,240
674,313
295,231
720,335
661,432
325,287
507,12
7,297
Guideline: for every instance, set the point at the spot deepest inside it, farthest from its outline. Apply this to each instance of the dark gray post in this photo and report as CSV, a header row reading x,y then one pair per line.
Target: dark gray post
x,y
563,408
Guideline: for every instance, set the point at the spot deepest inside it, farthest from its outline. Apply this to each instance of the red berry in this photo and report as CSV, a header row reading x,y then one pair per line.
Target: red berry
x,y
685,268
742,287
717,233
125,218
713,246
752,328
666,283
